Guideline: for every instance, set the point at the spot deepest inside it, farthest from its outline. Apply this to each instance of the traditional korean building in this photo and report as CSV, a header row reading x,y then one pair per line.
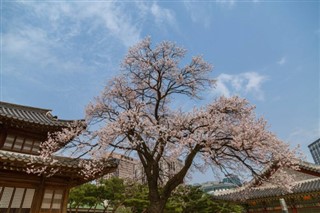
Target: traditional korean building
x,y
22,129
265,198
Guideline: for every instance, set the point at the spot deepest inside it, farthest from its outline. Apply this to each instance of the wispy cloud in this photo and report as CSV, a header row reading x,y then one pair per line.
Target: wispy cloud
x,y
305,134
282,61
248,83
111,17
232,3
49,44
119,23
228,3
37,52
162,15
74,36
199,13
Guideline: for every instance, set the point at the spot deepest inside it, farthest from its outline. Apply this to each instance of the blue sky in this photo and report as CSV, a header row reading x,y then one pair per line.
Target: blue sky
x,y
60,54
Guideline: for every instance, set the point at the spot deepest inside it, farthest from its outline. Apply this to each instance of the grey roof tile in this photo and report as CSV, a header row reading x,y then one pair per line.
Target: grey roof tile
x,y
311,185
30,115
308,185
55,161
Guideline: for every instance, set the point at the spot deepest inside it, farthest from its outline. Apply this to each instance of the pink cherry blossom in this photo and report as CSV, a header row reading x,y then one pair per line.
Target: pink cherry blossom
x,y
133,115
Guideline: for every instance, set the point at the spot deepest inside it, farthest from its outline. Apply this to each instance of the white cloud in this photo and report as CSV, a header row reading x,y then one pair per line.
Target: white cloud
x,y
44,40
200,13
162,15
108,16
114,18
282,61
254,81
221,88
122,21
75,35
248,83
34,47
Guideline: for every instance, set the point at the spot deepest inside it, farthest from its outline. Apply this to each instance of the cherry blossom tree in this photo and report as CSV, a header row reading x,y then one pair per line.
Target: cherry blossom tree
x,y
134,115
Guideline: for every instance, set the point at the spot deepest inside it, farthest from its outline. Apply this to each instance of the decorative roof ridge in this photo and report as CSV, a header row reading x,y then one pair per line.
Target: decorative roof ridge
x,y
29,108
54,160
309,165
272,186
30,156
300,163
32,115
250,184
55,166
307,181
231,191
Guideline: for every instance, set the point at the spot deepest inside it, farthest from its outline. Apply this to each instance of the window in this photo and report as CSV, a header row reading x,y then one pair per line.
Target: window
x,y
9,141
28,145
21,144
18,144
52,201
13,199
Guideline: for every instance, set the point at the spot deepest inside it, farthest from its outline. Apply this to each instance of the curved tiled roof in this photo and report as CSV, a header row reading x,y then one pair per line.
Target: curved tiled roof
x,y
30,115
246,192
18,161
310,185
309,166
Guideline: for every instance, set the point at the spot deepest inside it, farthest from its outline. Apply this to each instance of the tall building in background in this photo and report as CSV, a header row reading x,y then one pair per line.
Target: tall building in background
x,y
131,169
315,151
128,168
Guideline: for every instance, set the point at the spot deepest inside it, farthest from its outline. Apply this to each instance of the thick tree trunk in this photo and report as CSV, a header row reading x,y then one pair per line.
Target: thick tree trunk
x,y
156,207
158,200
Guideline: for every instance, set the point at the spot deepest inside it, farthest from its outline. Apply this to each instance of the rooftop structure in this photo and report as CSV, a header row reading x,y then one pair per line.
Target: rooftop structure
x,y
22,130
30,117
229,182
213,187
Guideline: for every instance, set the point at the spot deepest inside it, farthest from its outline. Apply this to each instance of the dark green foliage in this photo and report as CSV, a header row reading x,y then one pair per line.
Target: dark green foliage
x,y
185,199
91,195
190,199
114,189
85,195
137,198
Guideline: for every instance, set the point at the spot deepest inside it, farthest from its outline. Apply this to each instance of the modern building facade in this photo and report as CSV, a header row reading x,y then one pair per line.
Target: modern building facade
x,y
22,130
128,168
131,169
315,151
